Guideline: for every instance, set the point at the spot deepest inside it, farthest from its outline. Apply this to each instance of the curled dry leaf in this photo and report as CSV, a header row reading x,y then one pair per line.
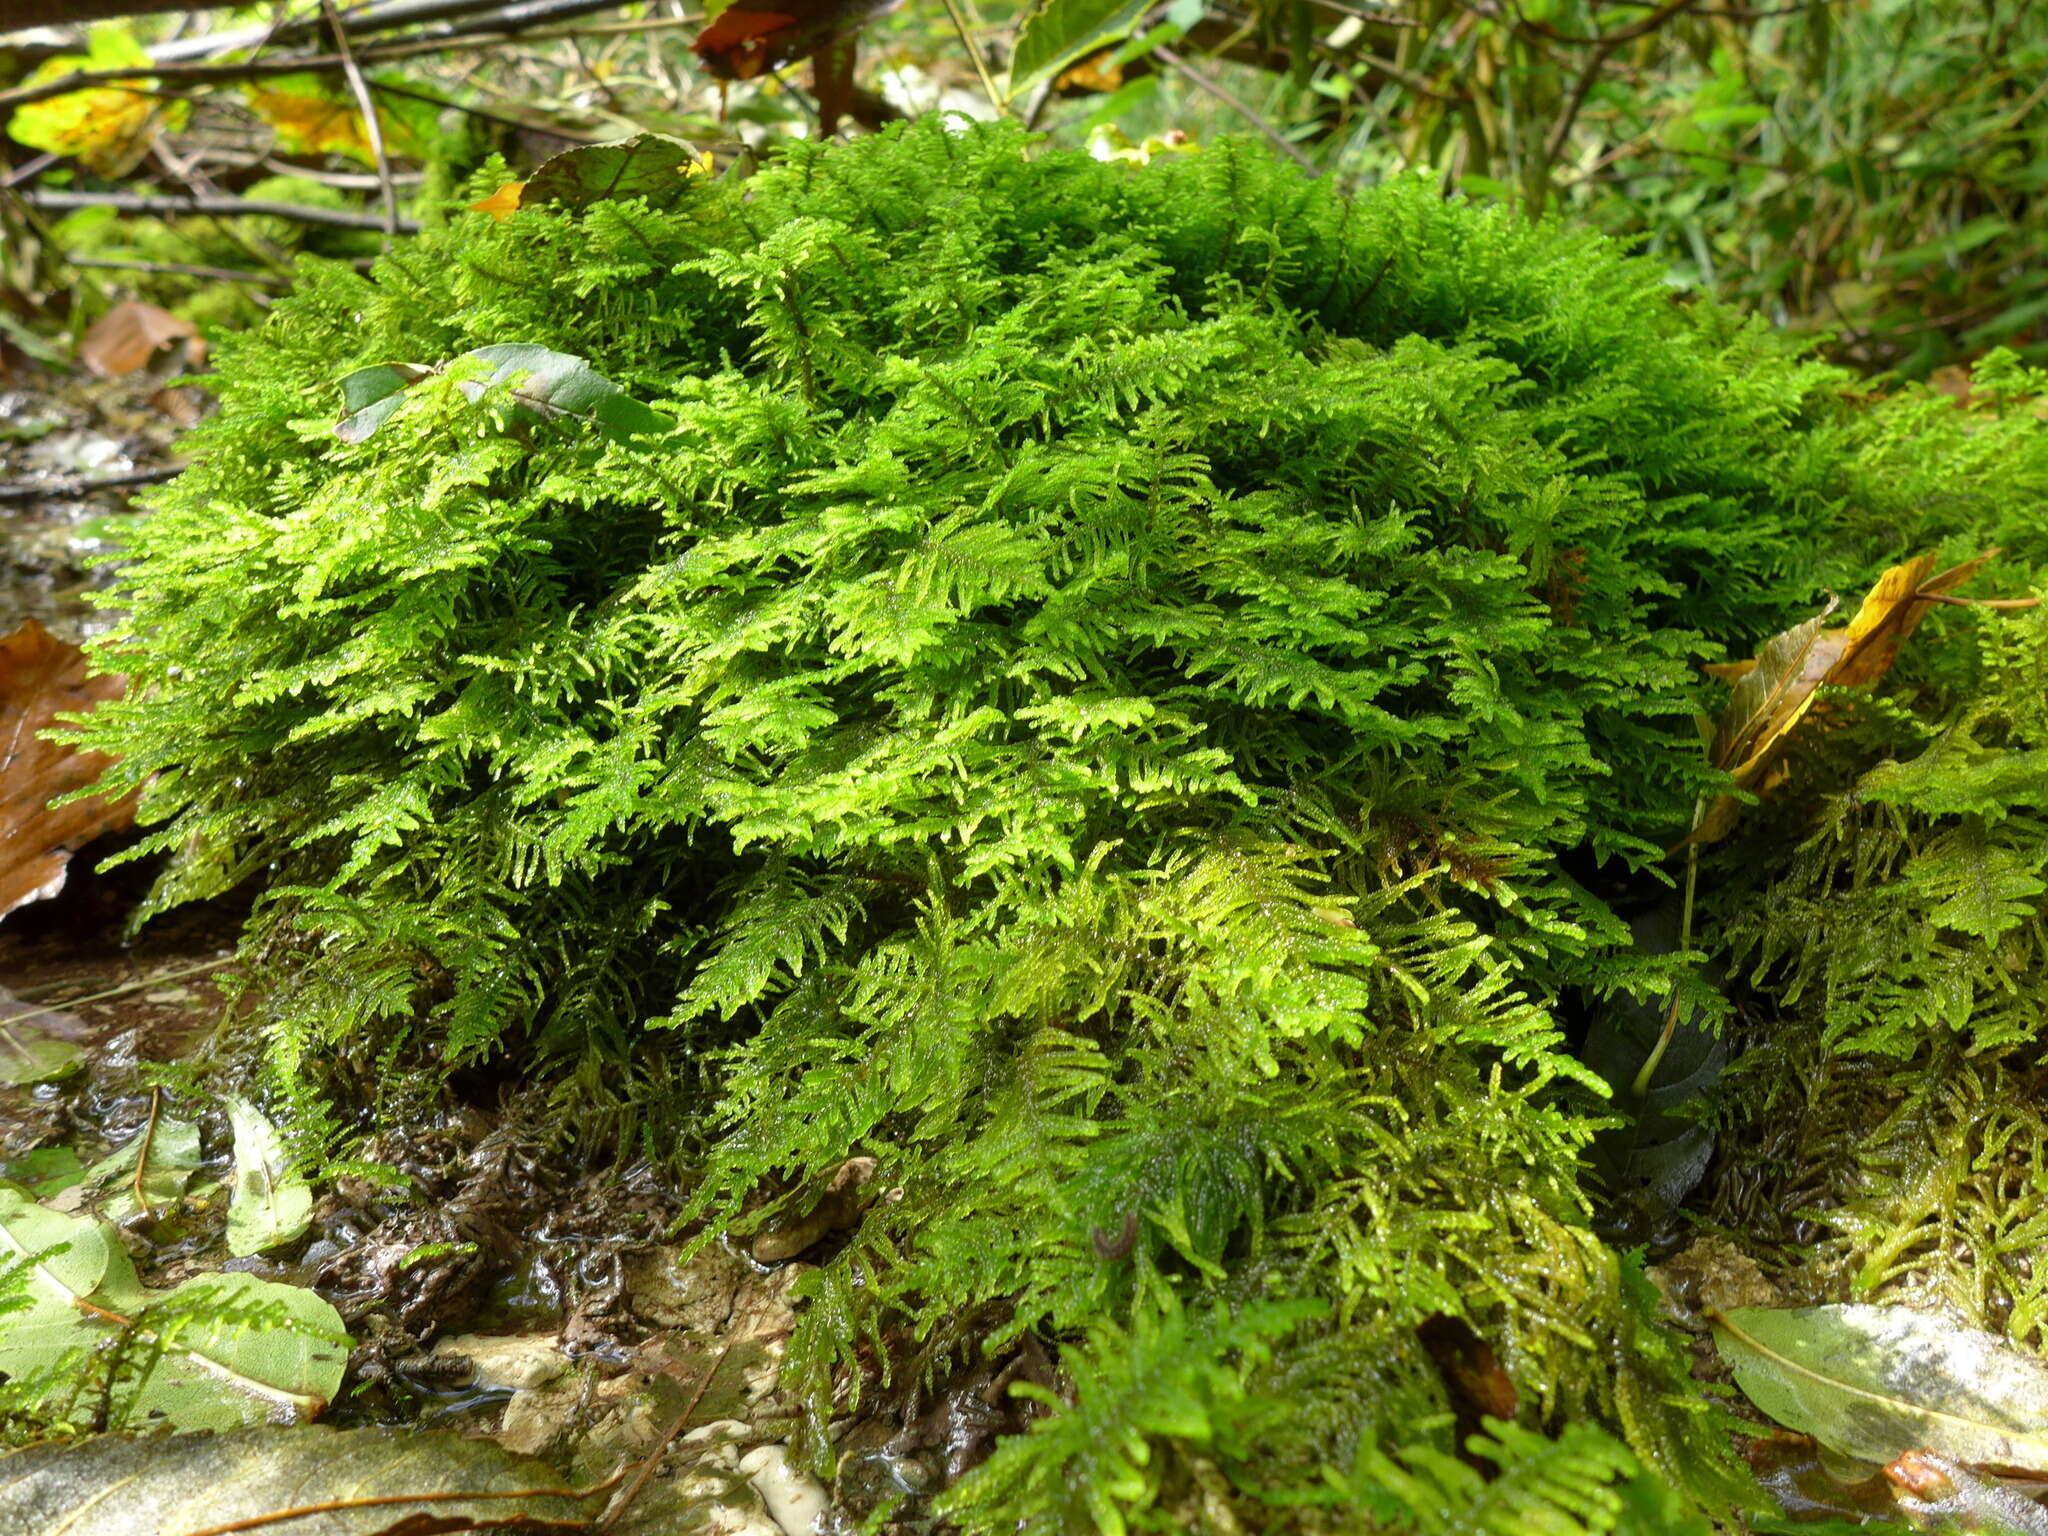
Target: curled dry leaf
x,y
748,41
1774,691
42,677
130,335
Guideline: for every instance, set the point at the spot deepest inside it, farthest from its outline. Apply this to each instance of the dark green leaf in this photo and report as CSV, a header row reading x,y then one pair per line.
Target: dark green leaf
x,y
653,166
1060,31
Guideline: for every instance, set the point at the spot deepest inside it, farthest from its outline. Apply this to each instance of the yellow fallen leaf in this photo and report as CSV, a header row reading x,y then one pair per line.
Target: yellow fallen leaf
x,y
1774,691
501,204
312,123
1865,651
107,129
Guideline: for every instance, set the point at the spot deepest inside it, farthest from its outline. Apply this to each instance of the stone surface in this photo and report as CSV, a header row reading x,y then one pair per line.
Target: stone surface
x,y
517,1362
795,1501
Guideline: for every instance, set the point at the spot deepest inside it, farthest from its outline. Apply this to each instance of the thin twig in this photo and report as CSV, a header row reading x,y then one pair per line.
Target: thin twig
x,y
85,485
988,84
372,129
178,73
487,115
2002,604
143,202
27,171
391,1500
653,1460
1604,48
177,269
1195,77
123,990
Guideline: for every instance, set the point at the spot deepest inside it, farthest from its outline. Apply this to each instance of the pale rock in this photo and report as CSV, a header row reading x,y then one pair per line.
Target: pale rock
x,y
517,1362
796,1502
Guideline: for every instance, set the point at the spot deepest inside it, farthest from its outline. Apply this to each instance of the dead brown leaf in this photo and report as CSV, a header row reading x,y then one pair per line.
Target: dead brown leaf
x,y
40,678
130,335
1774,691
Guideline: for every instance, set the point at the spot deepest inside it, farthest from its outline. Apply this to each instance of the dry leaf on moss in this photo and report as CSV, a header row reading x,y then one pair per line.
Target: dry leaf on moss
x,y
1774,690
312,122
130,334
42,677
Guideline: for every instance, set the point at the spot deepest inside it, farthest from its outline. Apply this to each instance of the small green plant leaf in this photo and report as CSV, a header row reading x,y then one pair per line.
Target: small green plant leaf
x,y
115,1485
271,1203
1060,31
111,1183
1875,1382
369,396
27,1055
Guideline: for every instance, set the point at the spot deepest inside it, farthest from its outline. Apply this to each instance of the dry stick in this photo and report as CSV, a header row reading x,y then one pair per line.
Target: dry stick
x,y
123,990
176,269
1604,48
988,84
654,1457
156,1099
85,485
386,1500
142,202
2002,603
483,112
1641,1086
285,64
372,129
1279,140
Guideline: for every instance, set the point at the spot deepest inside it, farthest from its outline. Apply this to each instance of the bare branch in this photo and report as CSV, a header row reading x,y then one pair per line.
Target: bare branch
x,y
141,202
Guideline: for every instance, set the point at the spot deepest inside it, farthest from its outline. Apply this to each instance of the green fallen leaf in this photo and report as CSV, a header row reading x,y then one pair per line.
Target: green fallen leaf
x,y
27,1055
74,1258
219,1351
173,1147
45,1172
550,384
237,1350
1875,1382
77,1270
271,1204
558,384
378,1480
653,166
369,396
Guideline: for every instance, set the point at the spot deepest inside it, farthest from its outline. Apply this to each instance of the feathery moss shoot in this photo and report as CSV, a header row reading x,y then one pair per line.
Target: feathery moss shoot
x,y
1125,696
